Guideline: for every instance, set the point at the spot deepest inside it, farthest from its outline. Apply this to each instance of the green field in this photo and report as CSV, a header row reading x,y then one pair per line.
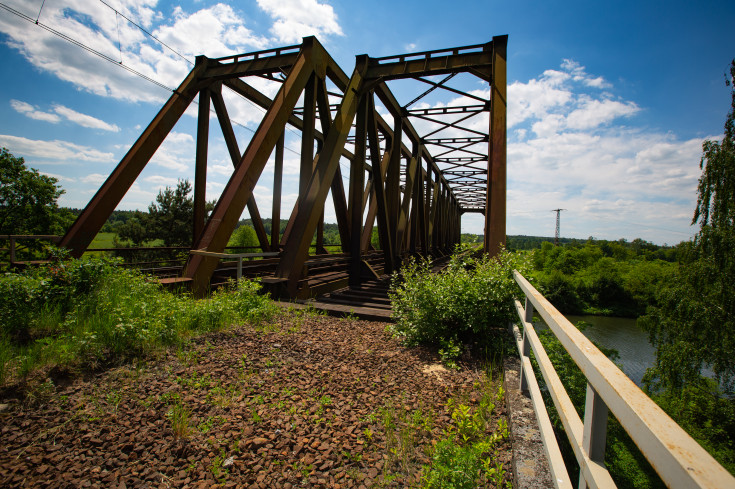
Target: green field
x,y
102,240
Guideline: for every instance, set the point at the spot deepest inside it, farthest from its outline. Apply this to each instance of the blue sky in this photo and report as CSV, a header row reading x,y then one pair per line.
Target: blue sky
x,y
609,102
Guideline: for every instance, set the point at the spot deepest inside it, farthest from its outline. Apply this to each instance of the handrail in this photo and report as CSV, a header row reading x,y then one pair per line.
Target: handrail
x,y
239,257
13,237
677,458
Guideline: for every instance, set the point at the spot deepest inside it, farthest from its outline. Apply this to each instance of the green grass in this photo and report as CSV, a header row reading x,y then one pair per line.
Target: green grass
x,y
103,240
90,312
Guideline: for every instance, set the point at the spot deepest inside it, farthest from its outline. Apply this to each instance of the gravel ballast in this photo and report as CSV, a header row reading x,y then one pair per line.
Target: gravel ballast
x,y
308,401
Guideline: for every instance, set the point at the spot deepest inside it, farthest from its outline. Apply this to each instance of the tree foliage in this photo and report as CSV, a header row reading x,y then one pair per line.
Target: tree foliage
x,y
245,239
693,325
168,219
28,199
612,278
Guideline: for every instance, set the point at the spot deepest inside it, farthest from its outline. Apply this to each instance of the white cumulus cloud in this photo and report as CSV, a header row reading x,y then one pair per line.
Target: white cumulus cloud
x,y
85,120
295,19
53,150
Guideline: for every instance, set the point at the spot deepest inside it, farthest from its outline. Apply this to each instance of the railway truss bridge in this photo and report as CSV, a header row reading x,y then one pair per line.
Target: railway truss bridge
x,y
358,143
412,185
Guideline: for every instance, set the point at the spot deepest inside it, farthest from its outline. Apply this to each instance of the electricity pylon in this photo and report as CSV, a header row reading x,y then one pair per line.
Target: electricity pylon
x,y
558,215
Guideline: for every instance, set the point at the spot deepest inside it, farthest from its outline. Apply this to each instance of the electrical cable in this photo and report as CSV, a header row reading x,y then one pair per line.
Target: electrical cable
x,y
40,10
146,32
83,46
120,63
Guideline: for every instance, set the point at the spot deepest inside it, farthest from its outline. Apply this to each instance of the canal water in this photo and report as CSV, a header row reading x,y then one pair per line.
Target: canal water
x,y
636,352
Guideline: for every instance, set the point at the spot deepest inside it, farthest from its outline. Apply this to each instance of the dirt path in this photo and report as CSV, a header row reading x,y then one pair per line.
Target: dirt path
x,y
308,402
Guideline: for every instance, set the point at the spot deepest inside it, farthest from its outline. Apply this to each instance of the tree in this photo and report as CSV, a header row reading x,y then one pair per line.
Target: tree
x,y
244,237
169,218
693,322
28,202
28,199
172,215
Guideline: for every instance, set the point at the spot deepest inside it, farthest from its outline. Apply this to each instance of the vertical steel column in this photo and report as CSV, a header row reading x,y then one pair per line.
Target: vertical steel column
x,y
427,188
379,168
307,135
305,223
320,249
402,237
277,186
200,166
239,188
357,186
496,177
393,187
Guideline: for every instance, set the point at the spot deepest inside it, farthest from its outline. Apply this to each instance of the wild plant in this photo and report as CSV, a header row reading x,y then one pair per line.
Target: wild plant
x,y
178,415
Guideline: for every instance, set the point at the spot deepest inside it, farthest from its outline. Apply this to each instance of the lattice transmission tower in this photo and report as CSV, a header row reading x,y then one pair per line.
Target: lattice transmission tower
x,y
558,220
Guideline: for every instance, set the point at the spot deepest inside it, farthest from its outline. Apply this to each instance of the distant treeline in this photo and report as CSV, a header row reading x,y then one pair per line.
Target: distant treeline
x,y
638,246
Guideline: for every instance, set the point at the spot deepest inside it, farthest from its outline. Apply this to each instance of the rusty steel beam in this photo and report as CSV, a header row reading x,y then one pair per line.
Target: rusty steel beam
x,y
99,209
386,243
478,58
216,70
277,185
417,207
240,187
200,165
305,222
496,188
357,187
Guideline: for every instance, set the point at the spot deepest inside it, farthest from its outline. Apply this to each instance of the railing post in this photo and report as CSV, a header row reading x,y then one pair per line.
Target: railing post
x,y
12,250
595,430
529,311
239,269
526,346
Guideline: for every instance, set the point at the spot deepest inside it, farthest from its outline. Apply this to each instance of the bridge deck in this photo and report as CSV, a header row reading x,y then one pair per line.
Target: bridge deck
x,y
369,301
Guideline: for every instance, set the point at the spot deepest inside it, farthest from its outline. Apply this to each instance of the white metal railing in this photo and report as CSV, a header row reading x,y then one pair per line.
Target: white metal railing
x,y
679,460
239,257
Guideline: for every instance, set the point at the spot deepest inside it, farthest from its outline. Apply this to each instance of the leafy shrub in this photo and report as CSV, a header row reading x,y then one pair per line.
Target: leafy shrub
x,y
19,302
467,455
88,312
466,302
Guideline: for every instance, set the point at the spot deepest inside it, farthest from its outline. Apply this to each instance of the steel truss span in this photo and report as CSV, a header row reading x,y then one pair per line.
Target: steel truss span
x,y
412,187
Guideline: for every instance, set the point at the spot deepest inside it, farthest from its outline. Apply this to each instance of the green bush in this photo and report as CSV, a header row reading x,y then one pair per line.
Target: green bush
x,y
465,303
81,313
19,302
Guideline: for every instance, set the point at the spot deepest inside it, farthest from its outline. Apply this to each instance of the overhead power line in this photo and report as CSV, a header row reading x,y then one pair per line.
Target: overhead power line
x,y
147,33
83,46
120,63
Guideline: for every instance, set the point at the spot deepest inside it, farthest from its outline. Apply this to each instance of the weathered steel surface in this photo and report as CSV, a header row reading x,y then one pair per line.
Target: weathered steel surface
x,y
240,187
495,206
